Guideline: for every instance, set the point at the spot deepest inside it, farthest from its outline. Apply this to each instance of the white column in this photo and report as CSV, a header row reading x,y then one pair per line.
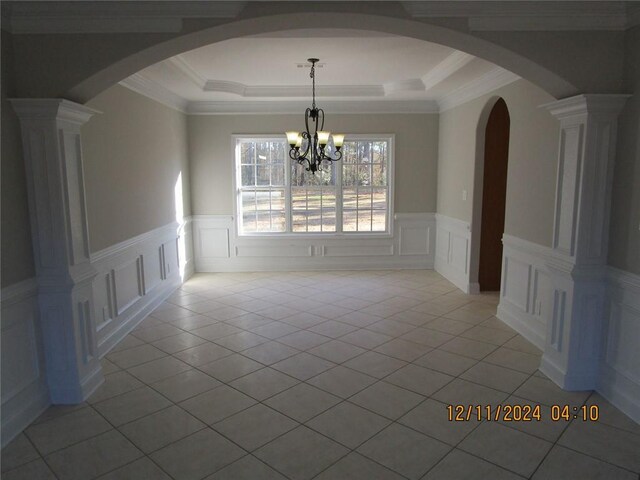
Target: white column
x,y
57,207
580,237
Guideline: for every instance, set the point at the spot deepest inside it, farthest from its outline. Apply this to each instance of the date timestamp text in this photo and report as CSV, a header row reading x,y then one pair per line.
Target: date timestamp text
x,y
522,413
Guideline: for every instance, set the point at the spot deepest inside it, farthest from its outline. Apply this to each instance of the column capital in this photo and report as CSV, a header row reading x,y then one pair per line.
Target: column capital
x,y
52,108
593,103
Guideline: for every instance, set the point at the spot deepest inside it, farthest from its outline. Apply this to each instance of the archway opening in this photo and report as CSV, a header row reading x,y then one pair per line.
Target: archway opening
x,y
494,194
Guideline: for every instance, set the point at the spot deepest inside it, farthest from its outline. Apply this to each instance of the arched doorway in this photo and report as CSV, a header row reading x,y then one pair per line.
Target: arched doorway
x,y
494,193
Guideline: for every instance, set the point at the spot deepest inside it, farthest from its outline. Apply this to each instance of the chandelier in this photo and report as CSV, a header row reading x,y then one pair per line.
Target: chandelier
x,y
310,149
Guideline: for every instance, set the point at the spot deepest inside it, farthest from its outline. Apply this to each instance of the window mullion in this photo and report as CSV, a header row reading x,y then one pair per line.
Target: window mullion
x,y
287,194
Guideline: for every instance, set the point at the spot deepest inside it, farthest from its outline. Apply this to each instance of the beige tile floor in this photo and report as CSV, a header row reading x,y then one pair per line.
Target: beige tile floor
x,y
330,375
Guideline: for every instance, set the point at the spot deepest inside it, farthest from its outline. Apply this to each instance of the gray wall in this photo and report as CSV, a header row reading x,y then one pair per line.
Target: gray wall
x,y
134,153
212,160
16,253
533,150
624,242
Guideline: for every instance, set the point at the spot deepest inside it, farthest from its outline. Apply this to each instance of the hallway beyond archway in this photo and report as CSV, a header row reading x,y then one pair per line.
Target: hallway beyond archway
x,y
494,194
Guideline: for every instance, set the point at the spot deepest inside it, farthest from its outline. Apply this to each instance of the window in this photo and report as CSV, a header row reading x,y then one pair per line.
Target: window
x,y
277,195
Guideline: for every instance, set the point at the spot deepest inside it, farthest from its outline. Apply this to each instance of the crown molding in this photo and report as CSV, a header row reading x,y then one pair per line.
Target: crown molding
x,y
179,63
150,89
298,107
410,85
528,15
110,16
446,68
490,81
549,23
283,91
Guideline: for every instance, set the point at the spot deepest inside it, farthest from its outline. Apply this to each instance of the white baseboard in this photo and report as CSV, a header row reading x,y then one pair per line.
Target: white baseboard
x,y
522,323
24,387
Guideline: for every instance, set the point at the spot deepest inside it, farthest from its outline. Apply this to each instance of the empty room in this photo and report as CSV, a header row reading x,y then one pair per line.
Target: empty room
x,y
320,240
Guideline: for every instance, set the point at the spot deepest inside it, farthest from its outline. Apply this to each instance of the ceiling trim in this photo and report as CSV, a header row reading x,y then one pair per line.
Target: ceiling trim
x,y
289,91
487,83
110,17
446,68
150,89
527,15
182,66
298,107
548,23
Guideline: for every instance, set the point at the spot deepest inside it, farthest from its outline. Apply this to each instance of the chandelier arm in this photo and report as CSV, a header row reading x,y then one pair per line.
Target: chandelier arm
x,y
306,151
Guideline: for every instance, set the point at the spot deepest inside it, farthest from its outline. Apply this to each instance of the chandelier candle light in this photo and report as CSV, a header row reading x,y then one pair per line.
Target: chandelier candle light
x,y
310,149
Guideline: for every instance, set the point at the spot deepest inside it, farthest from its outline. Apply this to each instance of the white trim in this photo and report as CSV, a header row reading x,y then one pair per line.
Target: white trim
x,y
624,279
217,249
121,247
288,91
134,277
527,16
453,251
446,68
182,65
336,107
487,83
549,23
143,85
525,302
111,17
26,396
339,234
619,378
18,292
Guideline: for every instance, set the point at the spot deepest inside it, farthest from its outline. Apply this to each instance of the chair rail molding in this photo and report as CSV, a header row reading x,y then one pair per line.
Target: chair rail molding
x,y
577,267
57,209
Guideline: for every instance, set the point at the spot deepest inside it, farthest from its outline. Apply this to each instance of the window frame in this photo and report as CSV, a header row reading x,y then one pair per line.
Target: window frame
x,y
237,203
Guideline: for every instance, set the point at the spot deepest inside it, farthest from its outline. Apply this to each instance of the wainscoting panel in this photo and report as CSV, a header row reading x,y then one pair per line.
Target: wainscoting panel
x,y
134,277
218,248
619,379
525,293
24,388
453,250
